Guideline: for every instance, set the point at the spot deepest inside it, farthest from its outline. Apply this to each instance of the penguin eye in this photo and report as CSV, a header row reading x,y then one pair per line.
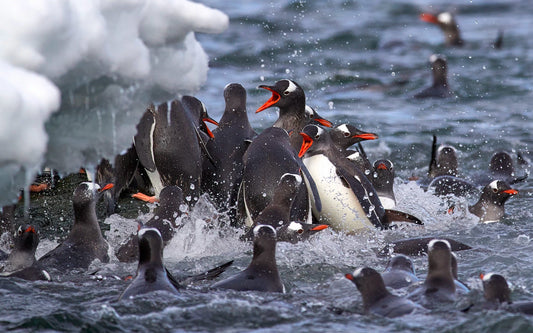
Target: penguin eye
x,y
317,136
495,190
346,134
300,231
20,231
286,92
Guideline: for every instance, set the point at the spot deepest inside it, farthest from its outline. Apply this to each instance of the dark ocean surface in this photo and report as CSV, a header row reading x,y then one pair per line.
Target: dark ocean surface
x,y
360,63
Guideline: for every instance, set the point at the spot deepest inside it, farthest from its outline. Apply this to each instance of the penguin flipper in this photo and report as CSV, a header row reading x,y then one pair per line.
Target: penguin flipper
x,y
312,184
208,275
143,139
173,280
397,216
360,192
203,146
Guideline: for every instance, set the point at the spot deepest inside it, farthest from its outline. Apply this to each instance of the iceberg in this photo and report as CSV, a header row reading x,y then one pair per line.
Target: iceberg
x,y
76,77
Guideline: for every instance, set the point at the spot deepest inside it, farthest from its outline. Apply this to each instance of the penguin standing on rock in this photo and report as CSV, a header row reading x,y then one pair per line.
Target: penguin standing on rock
x,y
349,201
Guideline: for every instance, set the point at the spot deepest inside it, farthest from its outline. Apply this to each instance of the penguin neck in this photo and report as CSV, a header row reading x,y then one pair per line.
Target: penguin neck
x,y
292,118
85,222
371,297
440,276
234,117
149,258
264,259
439,78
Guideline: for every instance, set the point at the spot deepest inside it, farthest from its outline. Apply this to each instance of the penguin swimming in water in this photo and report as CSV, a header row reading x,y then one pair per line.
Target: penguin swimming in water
x,y
440,87
447,23
400,272
383,180
419,246
23,254
498,295
349,201
222,178
262,273
490,206
164,220
376,298
84,242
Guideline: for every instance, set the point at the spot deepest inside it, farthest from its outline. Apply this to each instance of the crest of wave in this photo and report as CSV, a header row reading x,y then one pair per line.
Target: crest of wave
x,y
101,63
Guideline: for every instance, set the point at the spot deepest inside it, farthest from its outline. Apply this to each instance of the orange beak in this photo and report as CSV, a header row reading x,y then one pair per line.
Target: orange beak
x,y
366,136
430,18
30,229
481,276
306,144
273,99
323,122
382,166
511,191
349,276
107,187
320,227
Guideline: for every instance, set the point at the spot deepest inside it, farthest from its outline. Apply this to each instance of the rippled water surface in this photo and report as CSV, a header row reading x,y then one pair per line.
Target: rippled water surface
x,y
359,62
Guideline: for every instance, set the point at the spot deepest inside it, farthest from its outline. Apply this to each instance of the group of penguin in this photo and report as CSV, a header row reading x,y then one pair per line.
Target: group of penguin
x,y
286,183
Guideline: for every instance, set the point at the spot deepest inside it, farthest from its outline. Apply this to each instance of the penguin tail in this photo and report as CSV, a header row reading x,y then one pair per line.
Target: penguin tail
x,y
392,215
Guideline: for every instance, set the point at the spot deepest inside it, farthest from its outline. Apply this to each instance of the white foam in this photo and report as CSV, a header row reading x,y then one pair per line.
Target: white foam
x,y
68,43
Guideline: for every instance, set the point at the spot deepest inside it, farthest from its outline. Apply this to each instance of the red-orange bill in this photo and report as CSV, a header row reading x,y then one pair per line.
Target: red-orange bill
x,y
349,276
306,144
30,229
382,166
366,136
323,122
320,227
511,191
106,187
273,99
430,18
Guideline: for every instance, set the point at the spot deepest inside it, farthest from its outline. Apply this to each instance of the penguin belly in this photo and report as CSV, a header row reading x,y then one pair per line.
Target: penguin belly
x,y
341,208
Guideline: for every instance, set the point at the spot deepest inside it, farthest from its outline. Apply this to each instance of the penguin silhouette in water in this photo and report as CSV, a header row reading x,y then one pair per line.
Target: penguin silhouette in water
x,y
262,273
277,213
400,272
23,254
168,147
85,242
440,87
170,208
260,179
151,273
222,178
418,246
501,167
490,206
377,299
349,201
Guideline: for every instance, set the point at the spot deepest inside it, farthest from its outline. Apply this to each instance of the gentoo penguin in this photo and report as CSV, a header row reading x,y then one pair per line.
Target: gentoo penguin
x,y
345,136
262,273
418,246
289,97
443,160
151,273
313,116
448,25
400,272
377,299
349,201
439,283
85,242
383,180
260,179
199,114
277,213
501,167
168,147
164,220
498,295
23,254
490,206
440,87
222,178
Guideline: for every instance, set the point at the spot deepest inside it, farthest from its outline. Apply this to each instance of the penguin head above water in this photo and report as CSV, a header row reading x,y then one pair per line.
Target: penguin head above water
x,y
264,243
346,135
313,136
401,262
26,239
501,163
447,23
497,192
369,283
88,193
439,68
439,266
150,246
235,97
313,116
495,288
284,94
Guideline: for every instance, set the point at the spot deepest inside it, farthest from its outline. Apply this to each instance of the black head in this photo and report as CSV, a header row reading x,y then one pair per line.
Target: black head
x,y
369,283
150,246
439,68
314,118
313,136
26,239
198,112
446,161
495,288
384,167
497,192
401,262
346,135
235,97
284,93
501,163
294,232
88,193
264,240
